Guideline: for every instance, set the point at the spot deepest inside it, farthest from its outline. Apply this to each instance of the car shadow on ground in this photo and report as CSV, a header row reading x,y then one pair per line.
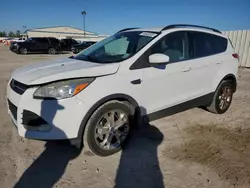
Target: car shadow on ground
x,y
225,151
138,167
49,167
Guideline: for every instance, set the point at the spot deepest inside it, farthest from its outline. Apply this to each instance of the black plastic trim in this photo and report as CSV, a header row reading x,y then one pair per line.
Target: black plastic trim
x,y
18,87
200,101
230,77
32,119
126,29
13,109
189,25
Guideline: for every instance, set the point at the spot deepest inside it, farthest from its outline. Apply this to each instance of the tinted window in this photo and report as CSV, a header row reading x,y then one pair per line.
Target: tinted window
x,y
173,45
204,44
53,40
41,40
74,41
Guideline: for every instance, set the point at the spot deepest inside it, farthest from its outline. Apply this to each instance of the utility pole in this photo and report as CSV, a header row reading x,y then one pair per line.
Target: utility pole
x,y
84,15
24,28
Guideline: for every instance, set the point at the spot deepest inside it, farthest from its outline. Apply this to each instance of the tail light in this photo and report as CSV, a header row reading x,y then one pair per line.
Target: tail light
x,y
236,56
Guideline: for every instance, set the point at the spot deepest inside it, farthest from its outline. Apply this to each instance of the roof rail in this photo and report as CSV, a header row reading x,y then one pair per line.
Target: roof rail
x,y
187,25
127,29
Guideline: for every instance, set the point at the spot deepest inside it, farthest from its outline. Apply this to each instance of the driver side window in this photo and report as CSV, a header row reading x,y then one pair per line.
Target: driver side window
x,y
172,45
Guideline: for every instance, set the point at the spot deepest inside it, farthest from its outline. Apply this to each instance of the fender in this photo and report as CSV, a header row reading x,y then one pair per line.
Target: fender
x,y
118,96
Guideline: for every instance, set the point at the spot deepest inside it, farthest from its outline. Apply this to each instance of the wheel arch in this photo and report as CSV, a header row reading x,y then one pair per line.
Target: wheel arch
x,y
230,77
119,97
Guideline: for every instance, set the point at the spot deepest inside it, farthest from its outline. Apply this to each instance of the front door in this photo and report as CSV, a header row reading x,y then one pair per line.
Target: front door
x,y
33,45
167,85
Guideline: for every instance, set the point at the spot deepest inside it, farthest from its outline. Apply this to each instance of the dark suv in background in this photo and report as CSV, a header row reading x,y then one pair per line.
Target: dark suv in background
x,y
48,45
66,44
79,47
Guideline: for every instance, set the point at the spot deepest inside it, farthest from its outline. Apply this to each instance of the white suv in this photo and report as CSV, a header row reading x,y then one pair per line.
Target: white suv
x,y
97,96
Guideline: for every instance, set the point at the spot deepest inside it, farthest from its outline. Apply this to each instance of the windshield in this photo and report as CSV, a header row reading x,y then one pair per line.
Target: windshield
x,y
116,48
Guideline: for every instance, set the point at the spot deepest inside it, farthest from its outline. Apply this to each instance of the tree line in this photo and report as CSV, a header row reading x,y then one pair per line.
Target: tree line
x,y
10,34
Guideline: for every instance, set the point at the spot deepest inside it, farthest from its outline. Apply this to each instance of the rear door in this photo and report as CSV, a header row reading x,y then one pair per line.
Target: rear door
x,y
205,52
43,44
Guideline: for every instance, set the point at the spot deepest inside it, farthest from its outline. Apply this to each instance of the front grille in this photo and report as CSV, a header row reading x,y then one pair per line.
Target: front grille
x,y
18,87
13,109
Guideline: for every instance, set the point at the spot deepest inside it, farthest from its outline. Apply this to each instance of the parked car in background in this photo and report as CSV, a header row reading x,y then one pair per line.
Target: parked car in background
x,y
79,47
136,75
7,41
22,39
48,45
66,44
2,40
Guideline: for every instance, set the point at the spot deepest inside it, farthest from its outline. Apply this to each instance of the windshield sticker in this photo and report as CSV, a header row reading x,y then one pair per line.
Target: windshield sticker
x,y
148,34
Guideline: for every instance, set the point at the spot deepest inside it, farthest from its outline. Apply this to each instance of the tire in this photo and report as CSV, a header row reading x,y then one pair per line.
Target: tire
x,y
52,51
92,142
224,92
23,51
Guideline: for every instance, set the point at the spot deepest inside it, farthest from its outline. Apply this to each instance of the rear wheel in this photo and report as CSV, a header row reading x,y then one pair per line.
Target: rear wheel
x,y
52,51
23,50
108,128
222,98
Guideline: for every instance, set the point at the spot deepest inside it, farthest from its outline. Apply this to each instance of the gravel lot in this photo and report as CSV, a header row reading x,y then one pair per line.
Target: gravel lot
x,y
190,149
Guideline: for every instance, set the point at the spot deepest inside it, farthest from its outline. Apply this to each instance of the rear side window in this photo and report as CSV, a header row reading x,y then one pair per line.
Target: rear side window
x,y
53,40
42,40
204,44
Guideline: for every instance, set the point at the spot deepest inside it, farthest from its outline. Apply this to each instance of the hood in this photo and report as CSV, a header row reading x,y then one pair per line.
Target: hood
x,y
61,69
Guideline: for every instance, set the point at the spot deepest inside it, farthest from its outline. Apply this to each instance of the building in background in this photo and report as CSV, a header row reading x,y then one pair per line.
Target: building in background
x,y
64,32
241,42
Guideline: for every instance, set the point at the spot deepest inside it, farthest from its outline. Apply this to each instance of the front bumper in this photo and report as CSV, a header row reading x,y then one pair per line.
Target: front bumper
x,y
52,119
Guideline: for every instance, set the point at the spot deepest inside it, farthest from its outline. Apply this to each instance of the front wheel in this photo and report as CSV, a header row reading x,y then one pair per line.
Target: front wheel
x,y
23,50
108,128
222,98
52,51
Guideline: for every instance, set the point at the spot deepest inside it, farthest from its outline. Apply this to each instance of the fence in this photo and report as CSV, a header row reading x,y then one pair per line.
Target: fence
x,y
241,42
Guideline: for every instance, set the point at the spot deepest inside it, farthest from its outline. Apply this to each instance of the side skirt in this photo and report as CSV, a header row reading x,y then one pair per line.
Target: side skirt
x,y
198,102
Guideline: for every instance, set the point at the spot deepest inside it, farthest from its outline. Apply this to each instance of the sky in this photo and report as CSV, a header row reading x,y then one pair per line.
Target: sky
x,y
107,17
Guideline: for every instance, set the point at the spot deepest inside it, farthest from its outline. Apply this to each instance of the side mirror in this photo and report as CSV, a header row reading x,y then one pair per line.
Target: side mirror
x,y
158,59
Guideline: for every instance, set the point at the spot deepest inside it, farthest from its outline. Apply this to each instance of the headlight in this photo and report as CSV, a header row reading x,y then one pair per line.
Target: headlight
x,y
62,89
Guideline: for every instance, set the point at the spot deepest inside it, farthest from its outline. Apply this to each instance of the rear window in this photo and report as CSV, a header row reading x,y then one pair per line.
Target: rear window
x,y
204,44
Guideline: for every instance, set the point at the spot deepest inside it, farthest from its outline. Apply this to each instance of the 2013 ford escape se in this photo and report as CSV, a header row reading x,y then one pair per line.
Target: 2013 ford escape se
x,y
98,95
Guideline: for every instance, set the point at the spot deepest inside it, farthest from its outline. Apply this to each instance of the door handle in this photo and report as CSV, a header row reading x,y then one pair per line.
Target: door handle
x,y
138,81
186,69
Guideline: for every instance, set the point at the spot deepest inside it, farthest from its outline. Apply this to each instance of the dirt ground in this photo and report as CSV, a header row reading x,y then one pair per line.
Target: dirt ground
x,y
192,149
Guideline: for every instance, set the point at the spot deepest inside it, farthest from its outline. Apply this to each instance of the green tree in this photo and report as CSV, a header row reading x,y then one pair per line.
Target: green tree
x,y
11,34
18,33
2,34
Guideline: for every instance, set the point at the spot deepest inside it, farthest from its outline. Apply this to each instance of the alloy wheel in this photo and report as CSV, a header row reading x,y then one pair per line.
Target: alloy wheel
x,y
112,129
